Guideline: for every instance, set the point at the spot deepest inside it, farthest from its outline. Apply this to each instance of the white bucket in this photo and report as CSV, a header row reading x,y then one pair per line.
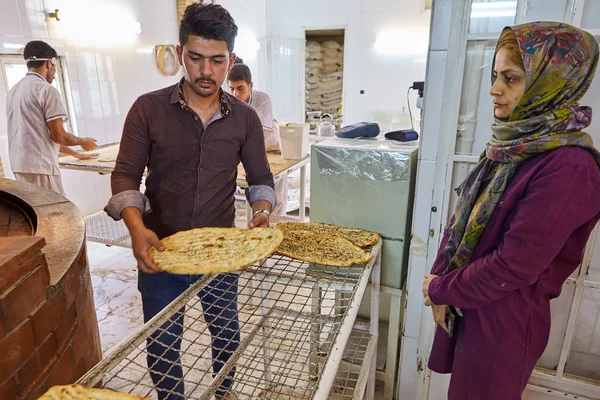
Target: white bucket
x,y
294,141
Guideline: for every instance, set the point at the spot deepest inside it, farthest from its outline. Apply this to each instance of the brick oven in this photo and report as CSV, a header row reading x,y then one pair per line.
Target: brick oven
x,y
48,326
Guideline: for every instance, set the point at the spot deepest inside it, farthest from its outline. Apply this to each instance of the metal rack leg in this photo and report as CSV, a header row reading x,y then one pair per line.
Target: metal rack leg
x,y
264,310
253,284
315,334
302,193
374,324
391,363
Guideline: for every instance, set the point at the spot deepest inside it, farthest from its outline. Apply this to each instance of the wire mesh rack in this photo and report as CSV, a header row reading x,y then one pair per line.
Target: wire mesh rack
x,y
295,326
103,229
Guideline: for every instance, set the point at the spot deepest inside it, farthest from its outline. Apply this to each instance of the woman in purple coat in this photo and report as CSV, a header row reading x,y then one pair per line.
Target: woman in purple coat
x,y
523,218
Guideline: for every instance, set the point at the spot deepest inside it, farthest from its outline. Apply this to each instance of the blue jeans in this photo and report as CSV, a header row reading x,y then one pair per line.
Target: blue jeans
x,y
219,303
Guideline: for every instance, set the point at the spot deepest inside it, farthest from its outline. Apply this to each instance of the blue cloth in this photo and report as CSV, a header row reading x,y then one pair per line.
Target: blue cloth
x,y
362,129
219,303
402,136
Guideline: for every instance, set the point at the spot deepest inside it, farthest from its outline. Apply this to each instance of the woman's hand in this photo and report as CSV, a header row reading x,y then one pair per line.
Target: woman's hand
x,y
439,316
439,311
426,283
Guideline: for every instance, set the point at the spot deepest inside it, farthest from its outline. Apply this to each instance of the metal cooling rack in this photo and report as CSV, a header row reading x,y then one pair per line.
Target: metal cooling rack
x,y
296,323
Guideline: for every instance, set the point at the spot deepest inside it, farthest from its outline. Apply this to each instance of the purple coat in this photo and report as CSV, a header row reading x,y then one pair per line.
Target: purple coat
x,y
532,244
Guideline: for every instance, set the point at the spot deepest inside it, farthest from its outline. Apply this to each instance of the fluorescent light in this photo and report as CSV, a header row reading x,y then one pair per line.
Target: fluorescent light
x,y
100,25
495,5
145,50
15,46
494,14
494,10
137,27
246,44
399,42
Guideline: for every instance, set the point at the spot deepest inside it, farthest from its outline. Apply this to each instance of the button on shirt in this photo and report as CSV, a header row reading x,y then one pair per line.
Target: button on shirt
x,y
30,105
261,102
192,170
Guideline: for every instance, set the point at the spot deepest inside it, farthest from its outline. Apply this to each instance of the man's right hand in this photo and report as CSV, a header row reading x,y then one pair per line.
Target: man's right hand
x,y
88,144
142,240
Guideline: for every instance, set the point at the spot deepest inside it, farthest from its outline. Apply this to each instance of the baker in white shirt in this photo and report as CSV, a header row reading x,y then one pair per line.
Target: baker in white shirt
x,y
240,85
35,116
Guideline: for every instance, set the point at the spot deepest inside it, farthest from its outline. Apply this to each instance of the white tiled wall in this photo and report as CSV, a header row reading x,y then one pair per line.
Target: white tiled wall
x,y
384,78
104,80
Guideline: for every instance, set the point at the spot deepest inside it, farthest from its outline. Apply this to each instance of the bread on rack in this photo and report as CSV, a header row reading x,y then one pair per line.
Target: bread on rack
x,y
359,237
313,247
79,392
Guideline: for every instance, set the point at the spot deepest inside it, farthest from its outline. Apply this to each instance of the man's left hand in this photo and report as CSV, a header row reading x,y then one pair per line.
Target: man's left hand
x,y
260,220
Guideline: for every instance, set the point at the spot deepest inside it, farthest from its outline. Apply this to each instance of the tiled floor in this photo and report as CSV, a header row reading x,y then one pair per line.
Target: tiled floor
x,y
118,303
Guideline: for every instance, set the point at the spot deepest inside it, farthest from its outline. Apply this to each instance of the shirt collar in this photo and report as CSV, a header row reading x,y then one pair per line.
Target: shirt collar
x,y
177,98
35,74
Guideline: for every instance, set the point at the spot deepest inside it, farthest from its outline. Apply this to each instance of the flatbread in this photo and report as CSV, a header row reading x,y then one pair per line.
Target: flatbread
x,y
109,158
79,392
215,250
312,247
359,237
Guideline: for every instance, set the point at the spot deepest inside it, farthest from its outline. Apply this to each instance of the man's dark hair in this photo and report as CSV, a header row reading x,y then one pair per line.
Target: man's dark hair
x,y
209,21
240,72
38,49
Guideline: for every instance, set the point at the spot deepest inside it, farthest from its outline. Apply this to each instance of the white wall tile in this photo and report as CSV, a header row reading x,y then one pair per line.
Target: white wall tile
x,y
11,44
105,67
114,128
383,78
91,99
33,19
96,129
86,66
10,20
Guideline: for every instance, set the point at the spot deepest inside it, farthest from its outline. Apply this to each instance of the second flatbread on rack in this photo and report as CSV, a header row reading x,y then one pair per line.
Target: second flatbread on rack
x,y
312,247
215,250
360,237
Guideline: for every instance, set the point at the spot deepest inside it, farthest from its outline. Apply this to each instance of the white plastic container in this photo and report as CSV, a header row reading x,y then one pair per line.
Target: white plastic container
x,y
294,141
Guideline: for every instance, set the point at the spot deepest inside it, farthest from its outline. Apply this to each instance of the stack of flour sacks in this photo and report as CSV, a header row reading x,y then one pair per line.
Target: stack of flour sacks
x,y
324,64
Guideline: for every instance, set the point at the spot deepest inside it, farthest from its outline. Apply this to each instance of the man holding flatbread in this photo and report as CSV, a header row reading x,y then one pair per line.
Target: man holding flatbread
x,y
191,137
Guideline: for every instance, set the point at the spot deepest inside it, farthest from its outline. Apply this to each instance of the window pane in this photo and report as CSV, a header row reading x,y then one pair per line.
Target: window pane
x,y
594,269
476,108
489,16
560,309
591,15
15,71
545,10
584,358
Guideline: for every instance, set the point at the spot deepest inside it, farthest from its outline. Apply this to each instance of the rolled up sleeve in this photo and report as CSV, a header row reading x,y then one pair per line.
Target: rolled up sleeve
x,y
126,199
